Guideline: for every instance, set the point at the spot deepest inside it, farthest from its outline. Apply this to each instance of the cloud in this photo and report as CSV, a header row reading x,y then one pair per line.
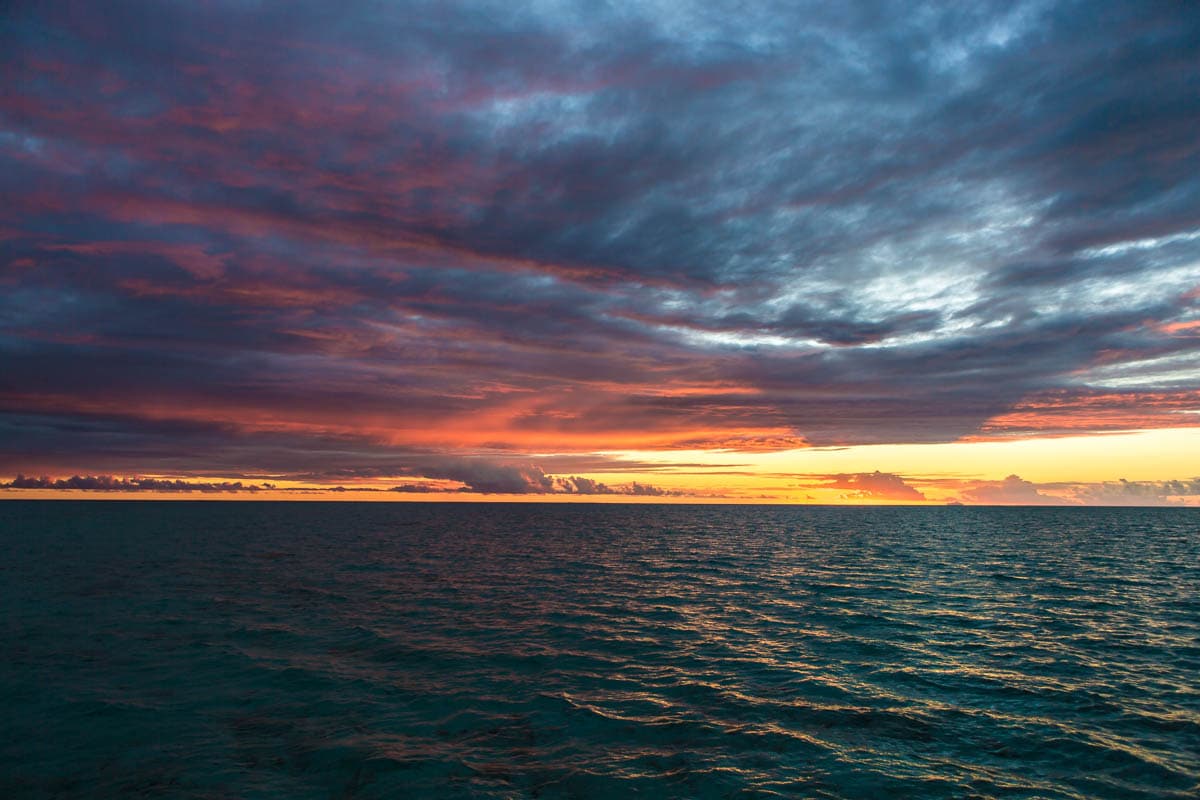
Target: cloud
x,y
465,476
110,483
489,477
1012,491
577,485
1137,493
868,486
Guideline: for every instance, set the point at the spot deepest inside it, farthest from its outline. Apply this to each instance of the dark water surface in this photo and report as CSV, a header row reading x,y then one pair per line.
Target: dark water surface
x,y
299,650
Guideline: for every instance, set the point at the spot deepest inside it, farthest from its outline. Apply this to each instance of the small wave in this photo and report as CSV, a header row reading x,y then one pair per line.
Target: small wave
x,y
502,652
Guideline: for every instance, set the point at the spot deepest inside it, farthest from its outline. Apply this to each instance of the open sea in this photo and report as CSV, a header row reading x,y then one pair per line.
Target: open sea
x,y
355,650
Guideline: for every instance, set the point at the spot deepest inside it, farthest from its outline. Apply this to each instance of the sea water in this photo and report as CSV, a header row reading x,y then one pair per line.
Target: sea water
x,y
319,650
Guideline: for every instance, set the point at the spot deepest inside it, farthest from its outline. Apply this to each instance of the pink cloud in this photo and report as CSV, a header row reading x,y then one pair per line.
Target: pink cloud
x,y
1012,491
869,486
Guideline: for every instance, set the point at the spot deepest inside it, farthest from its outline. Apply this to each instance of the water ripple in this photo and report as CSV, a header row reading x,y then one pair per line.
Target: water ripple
x,y
318,650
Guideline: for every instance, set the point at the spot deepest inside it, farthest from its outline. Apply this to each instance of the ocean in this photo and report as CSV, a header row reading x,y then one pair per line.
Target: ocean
x,y
375,650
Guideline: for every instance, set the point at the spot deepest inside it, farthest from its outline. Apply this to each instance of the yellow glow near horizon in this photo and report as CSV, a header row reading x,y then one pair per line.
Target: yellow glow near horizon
x,y
937,470
1151,455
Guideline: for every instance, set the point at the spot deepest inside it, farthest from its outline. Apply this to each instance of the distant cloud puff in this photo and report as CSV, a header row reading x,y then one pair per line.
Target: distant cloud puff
x,y
1012,491
1134,493
869,486
578,485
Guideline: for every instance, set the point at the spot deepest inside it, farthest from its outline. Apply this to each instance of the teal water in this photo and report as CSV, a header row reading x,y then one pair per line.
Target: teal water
x,y
299,650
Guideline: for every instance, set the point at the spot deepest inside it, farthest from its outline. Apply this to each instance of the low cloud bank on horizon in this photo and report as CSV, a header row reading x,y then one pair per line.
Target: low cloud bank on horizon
x,y
377,240
863,488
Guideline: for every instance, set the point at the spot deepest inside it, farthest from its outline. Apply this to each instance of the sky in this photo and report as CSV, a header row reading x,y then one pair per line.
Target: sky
x,y
714,251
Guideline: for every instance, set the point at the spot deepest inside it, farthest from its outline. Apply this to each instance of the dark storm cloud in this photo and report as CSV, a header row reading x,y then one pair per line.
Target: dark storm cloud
x,y
444,228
